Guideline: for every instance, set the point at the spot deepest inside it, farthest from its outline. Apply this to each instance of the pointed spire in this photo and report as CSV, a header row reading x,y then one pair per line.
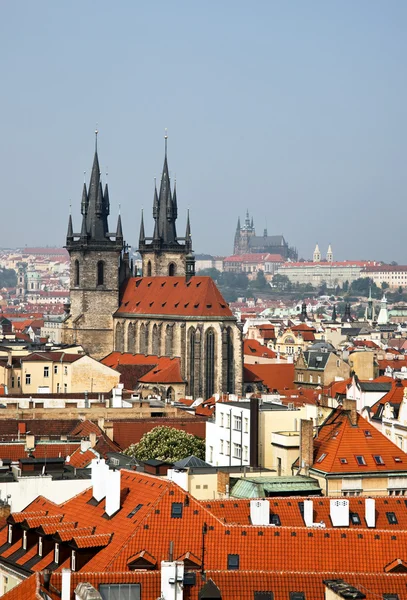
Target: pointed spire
x,y
155,202
106,201
142,237
119,229
84,203
334,315
69,235
188,239
174,202
238,224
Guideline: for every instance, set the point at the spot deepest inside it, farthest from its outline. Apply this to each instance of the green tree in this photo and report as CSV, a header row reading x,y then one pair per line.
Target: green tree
x,y
384,286
281,282
214,273
8,278
345,286
400,290
261,282
167,443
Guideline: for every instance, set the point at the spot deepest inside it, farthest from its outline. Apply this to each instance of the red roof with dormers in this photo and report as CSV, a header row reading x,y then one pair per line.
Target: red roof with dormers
x,y
254,348
173,296
167,370
290,557
157,369
339,442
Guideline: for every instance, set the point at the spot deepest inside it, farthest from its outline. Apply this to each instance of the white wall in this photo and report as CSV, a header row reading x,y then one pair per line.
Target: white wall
x,y
27,489
221,436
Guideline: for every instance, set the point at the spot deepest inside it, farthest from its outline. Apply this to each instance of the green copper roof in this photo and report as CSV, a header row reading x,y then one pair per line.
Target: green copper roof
x,y
259,487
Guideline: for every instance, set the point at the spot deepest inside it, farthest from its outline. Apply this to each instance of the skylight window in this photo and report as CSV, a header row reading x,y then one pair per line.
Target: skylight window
x,y
176,510
321,458
397,459
354,517
361,461
275,520
134,511
233,562
343,461
378,459
391,517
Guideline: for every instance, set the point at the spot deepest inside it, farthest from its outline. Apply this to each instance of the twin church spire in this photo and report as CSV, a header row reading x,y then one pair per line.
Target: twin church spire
x,y
95,209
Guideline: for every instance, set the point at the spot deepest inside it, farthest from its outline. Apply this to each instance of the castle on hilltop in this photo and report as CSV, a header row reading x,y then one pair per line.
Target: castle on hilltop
x,y
247,242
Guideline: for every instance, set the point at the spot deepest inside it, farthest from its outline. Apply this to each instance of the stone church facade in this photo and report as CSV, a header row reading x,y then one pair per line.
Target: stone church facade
x,y
247,242
168,311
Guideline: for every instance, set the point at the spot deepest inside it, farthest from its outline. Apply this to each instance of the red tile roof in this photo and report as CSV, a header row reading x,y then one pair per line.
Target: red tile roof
x,y
62,357
80,459
275,376
176,296
16,451
168,370
396,364
254,348
339,441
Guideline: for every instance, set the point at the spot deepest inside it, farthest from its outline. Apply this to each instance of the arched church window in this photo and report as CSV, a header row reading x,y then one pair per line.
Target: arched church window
x,y
143,349
155,341
131,338
149,268
145,341
191,360
119,338
170,394
171,269
77,272
209,363
101,272
230,365
169,338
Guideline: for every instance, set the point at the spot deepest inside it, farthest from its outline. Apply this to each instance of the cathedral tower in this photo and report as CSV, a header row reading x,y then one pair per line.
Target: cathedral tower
x,y
98,267
165,253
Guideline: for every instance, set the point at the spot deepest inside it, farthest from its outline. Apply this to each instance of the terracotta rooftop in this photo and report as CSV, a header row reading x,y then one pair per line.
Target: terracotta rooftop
x,y
254,348
198,297
275,376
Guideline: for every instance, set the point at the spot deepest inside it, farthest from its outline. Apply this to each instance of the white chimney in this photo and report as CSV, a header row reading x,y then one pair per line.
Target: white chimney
x,y
66,584
370,512
99,475
260,512
112,492
85,445
172,577
339,511
308,513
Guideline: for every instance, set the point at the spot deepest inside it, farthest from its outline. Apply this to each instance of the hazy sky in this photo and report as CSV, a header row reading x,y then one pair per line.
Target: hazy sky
x,y
294,109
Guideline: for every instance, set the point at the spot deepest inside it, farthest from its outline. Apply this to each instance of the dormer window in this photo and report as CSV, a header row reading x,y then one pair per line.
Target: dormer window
x,y
56,553
10,534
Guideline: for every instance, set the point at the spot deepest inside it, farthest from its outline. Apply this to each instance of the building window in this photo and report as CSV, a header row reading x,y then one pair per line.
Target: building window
x,y
209,363
169,339
237,423
237,451
245,453
56,553
361,461
76,273
354,517
55,369
230,363
227,452
73,561
155,340
221,447
176,510
46,371
233,562
210,454
57,388
65,388
18,381
246,425
378,459
40,546
171,269
222,417
12,382
65,370
311,379
228,421
27,379
10,534
149,268
391,517
101,272
191,361
319,378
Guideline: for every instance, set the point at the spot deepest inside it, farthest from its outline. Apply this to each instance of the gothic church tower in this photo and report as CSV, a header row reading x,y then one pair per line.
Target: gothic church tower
x,y
98,267
165,253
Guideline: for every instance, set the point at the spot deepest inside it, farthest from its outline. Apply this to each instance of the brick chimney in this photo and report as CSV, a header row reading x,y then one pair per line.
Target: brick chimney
x,y
306,444
350,407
